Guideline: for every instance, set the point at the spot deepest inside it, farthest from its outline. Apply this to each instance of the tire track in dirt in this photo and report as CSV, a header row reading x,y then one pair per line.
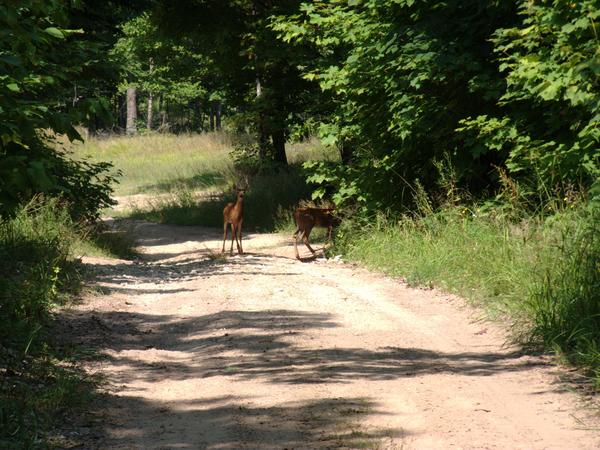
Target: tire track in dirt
x,y
263,351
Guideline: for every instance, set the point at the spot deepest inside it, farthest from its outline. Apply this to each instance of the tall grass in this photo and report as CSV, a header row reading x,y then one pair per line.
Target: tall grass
x,y
188,178
38,270
566,306
155,163
162,162
268,201
543,275
35,260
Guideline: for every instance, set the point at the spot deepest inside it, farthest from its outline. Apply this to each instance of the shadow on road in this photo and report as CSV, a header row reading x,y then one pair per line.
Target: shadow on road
x,y
260,341
240,345
228,423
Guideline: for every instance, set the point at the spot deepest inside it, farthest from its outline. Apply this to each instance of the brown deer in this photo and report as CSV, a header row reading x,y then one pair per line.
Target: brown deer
x,y
308,218
233,214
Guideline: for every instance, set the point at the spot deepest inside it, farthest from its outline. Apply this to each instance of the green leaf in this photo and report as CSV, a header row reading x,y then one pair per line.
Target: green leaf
x,y
55,32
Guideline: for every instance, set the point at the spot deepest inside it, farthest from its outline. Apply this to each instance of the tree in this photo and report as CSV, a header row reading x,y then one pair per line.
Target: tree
x,y
549,120
44,61
257,72
402,75
131,111
160,66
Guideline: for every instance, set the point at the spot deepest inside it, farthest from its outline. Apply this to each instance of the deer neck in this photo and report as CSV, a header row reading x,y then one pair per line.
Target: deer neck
x,y
239,203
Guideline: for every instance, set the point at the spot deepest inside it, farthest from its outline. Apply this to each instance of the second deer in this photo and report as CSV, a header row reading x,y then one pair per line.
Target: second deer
x,y
308,218
233,214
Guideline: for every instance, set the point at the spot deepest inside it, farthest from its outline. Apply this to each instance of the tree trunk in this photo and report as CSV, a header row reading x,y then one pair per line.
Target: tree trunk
x,y
163,114
150,111
263,136
346,153
218,116
211,117
131,111
150,97
279,147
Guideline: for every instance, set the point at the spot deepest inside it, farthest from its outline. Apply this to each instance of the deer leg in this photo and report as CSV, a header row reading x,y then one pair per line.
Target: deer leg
x,y
232,238
306,234
224,236
296,235
240,249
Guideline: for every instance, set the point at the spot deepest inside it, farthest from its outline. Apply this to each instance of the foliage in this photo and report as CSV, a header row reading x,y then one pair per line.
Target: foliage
x,y
549,124
156,64
40,62
484,82
403,75
257,72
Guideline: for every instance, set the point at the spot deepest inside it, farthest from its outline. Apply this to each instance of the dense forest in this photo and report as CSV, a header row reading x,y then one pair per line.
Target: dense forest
x,y
451,121
399,87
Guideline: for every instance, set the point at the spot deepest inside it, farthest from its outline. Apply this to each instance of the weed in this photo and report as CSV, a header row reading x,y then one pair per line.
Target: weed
x,y
38,270
541,274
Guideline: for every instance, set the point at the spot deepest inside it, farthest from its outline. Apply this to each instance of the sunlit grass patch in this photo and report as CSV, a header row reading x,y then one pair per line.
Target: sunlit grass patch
x,y
310,149
160,162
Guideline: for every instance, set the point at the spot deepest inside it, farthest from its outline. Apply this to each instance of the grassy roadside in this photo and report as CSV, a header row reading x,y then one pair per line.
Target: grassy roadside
x,y
541,275
40,379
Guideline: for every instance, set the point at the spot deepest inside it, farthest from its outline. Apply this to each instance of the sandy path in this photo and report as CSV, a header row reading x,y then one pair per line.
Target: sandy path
x,y
265,352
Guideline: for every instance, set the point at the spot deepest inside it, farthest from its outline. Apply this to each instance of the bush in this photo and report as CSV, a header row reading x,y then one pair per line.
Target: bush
x,y
566,307
37,271
35,251
85,187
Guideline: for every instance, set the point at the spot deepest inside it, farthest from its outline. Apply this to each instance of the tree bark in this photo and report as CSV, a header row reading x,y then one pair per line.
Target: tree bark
x,y
150,111
131,111
211,117
279,147
218,116
346,151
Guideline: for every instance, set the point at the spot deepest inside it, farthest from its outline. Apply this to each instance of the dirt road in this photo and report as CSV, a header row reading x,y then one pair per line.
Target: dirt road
x,y
265,352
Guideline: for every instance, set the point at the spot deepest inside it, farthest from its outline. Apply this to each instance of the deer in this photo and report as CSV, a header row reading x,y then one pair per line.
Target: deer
x,y
233,214
308,218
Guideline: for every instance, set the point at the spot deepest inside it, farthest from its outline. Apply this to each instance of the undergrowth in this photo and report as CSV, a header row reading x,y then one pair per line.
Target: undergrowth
x,y
269,200
541,274
40,380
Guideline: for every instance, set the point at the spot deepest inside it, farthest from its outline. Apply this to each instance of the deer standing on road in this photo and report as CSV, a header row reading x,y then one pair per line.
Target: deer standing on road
x,y
308,218
233,214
